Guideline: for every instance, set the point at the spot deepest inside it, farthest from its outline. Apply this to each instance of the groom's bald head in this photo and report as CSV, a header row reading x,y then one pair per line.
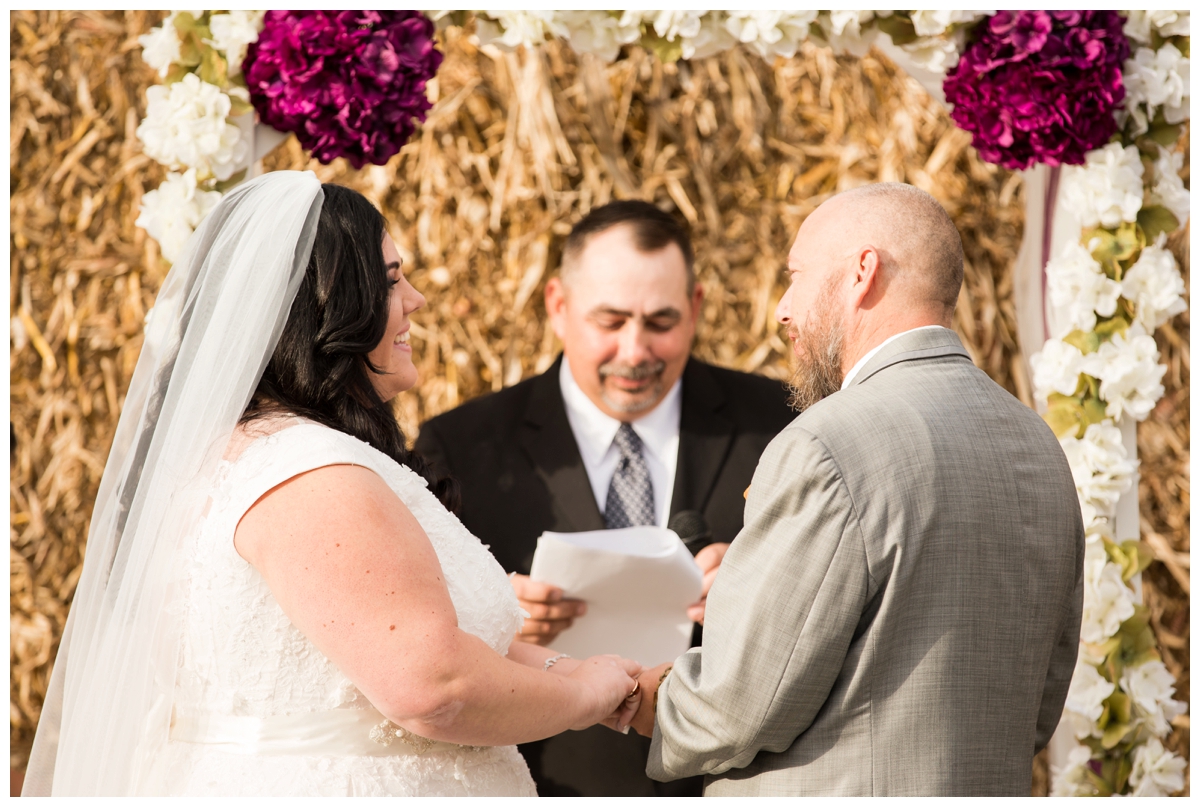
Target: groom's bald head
x,y
921,251
867,264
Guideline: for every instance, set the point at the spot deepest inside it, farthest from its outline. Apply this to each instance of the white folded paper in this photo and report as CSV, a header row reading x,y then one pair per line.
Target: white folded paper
x,y
637,582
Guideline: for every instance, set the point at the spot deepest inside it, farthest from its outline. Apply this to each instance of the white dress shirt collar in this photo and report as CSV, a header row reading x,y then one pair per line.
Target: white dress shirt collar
x,y
871,353
594,432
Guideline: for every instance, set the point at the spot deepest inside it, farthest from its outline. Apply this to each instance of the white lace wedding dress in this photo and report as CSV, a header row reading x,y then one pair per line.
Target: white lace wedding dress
x,y
258,710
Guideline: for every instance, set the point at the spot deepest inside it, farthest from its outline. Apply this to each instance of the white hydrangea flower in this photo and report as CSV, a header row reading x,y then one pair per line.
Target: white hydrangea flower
x,y
160,47
1056,368
1139,24
672,25
1154,286
933,50
1072,779
511,29
1156,771
599,32
1129,372
771,33
711,38
1168,189
1107,189
935,23
186,126
232,32
171,212
848,31
1079,289
1157,79
1097,525
1150,687
698,33
1100,466
1107,601
1085,699
933,53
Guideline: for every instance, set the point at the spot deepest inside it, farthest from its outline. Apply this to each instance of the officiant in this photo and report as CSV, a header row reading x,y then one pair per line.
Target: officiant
x,y
626,428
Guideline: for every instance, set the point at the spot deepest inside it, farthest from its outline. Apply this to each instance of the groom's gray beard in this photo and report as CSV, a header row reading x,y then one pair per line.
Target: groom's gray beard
x,y
636,372
818,372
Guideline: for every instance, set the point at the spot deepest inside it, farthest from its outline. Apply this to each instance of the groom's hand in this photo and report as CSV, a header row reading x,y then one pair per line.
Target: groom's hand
x,y
709,560
643,719
549,612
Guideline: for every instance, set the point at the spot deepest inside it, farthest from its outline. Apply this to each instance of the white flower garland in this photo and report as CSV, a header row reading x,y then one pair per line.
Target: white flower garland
x,y
933,38
1117,191
189,124
188,129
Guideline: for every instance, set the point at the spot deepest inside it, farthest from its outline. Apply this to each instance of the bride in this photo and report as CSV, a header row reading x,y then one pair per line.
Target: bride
x,y
275,599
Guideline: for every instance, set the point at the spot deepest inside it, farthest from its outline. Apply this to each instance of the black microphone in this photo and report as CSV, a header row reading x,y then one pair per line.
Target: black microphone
x,y
692,529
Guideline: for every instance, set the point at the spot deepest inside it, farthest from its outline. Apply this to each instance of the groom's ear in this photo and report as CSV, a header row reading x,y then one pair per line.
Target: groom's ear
x,y
867,278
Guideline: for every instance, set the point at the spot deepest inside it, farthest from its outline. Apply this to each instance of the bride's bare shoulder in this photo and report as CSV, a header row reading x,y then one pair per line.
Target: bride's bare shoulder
x,y
247,432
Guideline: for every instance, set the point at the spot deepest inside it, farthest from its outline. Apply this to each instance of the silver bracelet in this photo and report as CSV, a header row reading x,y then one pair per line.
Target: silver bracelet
x,y
550,662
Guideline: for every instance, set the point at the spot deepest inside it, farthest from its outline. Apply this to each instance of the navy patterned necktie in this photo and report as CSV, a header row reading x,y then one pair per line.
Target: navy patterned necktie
x,y
630,496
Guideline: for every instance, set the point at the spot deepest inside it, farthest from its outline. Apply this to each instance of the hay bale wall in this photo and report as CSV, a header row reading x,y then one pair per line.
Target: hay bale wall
x,y
518,148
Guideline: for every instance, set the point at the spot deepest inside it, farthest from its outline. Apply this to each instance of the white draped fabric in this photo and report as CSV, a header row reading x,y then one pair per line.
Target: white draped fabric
x,y
217,317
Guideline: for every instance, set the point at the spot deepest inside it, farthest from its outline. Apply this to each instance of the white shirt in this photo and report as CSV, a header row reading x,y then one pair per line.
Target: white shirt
x,y
871,353
594,433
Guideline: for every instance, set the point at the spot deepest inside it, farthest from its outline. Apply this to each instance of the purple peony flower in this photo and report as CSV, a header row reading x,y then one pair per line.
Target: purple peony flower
x,y
348,83
1040,86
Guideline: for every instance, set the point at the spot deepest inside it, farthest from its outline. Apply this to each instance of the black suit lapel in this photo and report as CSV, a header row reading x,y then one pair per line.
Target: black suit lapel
x,y
547,439
704,438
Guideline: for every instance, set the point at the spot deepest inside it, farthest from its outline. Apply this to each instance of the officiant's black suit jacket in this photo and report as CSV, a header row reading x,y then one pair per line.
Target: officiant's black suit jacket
x,y
516,458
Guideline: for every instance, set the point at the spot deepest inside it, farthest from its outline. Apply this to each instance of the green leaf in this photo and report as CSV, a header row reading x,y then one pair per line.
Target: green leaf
x,y
1156,219
175,73
1141,553
226,185
1086,341
1094,411
1114,734
1103,788
239,107
1121,706
1124,557
1165,134
666,51
213,68
185,21
900,29
1107,329
1110,247
1063,415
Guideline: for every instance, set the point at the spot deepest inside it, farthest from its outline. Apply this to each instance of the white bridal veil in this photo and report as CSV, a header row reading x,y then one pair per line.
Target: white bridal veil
x,y
208,338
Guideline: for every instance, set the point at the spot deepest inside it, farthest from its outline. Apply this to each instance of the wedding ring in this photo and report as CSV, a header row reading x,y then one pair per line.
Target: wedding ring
x,y
636,686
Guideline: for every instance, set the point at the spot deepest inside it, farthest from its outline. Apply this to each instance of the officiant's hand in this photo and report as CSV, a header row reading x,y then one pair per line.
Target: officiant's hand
x,y
549,612
709,560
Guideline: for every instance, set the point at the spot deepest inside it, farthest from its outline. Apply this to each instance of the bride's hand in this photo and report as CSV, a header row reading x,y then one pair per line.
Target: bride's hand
x,y
609,680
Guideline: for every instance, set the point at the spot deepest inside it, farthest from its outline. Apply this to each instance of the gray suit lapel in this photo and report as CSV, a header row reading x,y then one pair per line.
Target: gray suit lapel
x,y
926,344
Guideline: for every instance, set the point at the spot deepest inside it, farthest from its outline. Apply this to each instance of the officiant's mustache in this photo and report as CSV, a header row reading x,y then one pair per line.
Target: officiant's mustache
x,y
646,371
633,372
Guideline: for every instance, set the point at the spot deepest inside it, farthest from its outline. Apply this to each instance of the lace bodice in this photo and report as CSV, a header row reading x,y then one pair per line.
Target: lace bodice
x,y
242,656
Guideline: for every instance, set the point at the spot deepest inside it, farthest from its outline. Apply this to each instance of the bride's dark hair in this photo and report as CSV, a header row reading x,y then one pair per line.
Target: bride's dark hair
x,y
320,369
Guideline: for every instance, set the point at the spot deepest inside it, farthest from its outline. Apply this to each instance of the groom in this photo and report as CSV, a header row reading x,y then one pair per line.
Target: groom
x,y
900,614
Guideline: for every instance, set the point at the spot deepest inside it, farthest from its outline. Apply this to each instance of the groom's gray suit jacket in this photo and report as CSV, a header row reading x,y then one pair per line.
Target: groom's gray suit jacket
x,y
900,614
